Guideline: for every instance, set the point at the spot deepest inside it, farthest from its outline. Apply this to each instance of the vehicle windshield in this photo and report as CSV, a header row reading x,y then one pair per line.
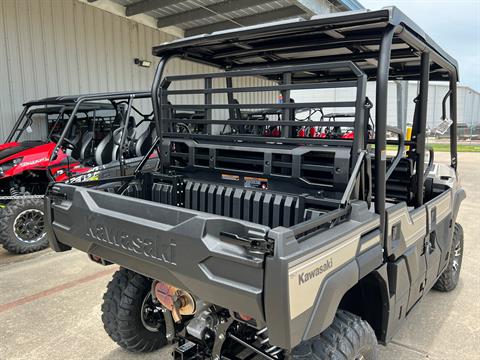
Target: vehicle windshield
x,y
40,125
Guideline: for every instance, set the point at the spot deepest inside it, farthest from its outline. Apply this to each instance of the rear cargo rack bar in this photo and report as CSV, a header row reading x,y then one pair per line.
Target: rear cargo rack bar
x,y
264,122
272,70
309,105
259,139
296,86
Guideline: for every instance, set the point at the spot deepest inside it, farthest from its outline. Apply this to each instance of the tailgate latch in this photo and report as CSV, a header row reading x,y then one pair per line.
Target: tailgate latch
x,y
254,244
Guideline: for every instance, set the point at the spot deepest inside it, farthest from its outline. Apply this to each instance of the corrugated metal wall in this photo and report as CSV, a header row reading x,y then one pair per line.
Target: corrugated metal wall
x,y
468,103
468,106
62,47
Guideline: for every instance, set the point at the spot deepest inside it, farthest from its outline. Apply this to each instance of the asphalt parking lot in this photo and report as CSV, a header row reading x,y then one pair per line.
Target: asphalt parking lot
x,y
50,303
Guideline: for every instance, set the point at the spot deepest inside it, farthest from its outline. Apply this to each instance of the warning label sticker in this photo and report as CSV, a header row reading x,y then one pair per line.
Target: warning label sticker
x,y
256,183
230,177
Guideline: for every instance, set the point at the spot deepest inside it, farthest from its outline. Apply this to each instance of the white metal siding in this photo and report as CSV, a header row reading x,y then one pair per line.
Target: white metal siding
x,y
468,101
62,47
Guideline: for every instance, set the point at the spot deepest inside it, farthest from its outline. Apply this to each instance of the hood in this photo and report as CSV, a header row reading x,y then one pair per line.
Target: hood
x,y
16,158
12,148
30,155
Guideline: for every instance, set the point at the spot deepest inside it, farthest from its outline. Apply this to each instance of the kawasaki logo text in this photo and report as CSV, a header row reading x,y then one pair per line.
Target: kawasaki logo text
x,y
309,275
152,248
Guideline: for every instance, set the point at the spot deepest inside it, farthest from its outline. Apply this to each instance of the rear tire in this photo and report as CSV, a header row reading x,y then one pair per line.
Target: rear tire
x,y
22,226
347,338
451,275
124,304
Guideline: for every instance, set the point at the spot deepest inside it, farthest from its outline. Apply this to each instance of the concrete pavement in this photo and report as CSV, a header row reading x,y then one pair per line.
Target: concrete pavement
x,y
50,303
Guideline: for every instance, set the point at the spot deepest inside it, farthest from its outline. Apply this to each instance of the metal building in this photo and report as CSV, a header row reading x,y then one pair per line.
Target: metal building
x,y
468,103
468,100
60,47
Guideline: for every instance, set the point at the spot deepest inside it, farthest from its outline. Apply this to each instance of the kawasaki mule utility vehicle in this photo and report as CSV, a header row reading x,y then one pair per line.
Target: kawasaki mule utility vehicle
x,y
70,138
243,244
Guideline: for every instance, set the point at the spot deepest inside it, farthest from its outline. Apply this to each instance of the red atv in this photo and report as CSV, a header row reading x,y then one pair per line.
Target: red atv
x,y
65,139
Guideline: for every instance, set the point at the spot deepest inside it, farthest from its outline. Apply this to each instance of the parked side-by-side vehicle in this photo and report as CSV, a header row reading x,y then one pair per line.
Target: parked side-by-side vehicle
x,y
251,240
68,138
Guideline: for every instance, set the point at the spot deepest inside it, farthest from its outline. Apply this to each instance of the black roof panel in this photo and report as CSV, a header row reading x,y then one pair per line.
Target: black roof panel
x,y
48,108
73,99
353,35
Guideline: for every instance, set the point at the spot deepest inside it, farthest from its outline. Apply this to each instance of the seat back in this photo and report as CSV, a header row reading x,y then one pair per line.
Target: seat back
x,y
77,141
399,185
86,147
103,152
145,140
117,138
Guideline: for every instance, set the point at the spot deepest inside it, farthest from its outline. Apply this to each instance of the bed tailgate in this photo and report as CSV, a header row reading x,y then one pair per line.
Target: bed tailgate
x,y
196,251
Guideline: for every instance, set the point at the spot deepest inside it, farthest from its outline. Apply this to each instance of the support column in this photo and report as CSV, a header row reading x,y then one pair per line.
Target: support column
x,y
381,123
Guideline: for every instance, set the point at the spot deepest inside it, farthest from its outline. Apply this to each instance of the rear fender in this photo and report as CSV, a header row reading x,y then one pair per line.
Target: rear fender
x,y
306,279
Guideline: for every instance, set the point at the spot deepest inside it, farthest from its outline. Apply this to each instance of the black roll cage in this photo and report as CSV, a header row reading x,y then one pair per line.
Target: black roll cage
x,y
61,109
115,99
396,36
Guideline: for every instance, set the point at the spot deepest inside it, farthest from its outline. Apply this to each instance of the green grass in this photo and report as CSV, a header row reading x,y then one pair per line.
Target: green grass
x,y
446,147
460,147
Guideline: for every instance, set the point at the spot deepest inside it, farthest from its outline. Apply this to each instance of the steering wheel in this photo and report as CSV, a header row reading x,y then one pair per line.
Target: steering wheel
x,y
66,143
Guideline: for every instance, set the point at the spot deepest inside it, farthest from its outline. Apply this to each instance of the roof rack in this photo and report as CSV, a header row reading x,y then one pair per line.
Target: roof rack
x,y
355,34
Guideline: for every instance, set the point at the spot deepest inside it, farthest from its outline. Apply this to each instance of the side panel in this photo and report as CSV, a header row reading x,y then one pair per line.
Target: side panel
x,y
404,228
418,243
399,292
417,268
440,213
405,238
306,280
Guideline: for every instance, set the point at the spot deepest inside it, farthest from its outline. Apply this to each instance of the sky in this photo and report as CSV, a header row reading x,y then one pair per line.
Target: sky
x,y
452,24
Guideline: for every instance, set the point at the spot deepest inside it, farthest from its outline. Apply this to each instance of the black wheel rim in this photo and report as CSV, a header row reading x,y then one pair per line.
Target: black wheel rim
x,y
151,314
29,226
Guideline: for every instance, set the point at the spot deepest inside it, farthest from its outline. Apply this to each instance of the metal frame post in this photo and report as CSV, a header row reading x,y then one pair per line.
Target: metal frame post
x,y
420,126
124,135
361,121
453,117
402,98
17,124
286,80
60,115
381,123
230,97
208,101
157,104
54,153
360,131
